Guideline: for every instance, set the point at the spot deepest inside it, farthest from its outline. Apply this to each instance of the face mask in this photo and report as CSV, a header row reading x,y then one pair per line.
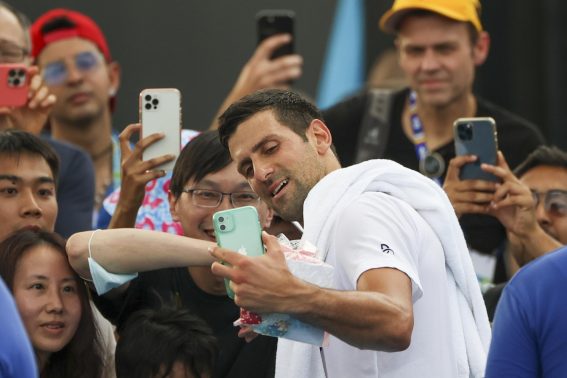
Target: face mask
x,y
103,280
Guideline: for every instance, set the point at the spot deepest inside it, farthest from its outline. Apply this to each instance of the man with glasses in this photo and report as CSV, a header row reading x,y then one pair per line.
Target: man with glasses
x,y
529,329
531,203
78,68
204,181
75,190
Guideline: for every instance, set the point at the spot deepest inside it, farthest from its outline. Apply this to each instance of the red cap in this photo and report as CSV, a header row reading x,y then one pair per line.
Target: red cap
x,y
73,24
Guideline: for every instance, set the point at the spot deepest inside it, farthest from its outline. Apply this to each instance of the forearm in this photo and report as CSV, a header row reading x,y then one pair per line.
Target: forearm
x,y
123,217
132,250
365,319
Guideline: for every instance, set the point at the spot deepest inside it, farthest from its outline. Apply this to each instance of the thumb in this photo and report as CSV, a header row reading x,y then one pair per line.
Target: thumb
x,y
273,247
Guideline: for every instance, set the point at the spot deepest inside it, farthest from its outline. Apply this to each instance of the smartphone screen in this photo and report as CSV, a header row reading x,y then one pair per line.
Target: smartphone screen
x,y
239,229
14,85
476,136
160,111
271,22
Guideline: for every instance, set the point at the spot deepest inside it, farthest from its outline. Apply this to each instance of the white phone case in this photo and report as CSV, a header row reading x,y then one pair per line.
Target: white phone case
x,y
160,111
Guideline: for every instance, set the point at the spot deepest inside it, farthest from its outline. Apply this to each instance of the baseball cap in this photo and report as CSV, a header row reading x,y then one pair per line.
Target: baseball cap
x,y
58,24
459,10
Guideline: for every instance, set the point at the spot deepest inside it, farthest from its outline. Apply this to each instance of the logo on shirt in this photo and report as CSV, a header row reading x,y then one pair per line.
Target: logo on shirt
x,y
386,249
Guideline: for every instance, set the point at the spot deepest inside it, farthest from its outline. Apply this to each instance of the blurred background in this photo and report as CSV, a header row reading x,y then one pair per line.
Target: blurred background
x,y
200,47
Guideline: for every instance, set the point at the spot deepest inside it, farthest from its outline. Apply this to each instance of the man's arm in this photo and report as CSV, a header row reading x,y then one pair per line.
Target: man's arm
x,y
378,315
132,250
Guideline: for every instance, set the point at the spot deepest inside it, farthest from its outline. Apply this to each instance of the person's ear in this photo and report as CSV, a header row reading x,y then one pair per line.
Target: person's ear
x,y
481,48
173,206
114,75
320,135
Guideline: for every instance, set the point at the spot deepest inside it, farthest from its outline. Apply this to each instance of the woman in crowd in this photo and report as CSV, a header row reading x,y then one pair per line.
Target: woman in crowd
x,y
53,304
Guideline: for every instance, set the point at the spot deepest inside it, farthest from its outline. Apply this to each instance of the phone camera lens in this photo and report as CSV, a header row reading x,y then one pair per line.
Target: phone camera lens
x,y
221,219
155,101
12,73
465,131
147,97
16,82
148,106
222,227
21,73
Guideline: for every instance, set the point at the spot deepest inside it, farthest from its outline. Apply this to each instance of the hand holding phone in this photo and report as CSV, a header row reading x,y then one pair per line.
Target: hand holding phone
x,y
272,22
14,85
476,136
160,112
240,230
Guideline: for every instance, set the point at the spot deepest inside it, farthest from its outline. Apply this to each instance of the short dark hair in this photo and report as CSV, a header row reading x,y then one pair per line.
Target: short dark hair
x,y
152,340
17,142
290,109
23,20
83,352
543,155
201,156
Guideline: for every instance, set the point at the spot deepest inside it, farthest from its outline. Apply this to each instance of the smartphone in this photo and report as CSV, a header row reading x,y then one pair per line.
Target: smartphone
x,y
239,229
476,136
274,21
160,111
14,85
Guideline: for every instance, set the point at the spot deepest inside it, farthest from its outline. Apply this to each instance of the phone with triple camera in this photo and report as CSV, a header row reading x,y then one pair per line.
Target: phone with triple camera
x,y
276,21
160,111
14,85
476,136
239,229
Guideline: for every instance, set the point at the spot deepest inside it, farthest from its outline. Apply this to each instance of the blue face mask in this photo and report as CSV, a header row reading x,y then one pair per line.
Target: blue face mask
x,y
103,280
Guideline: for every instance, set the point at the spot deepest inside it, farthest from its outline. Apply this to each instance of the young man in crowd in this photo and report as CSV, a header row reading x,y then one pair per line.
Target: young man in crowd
x,y
75,190
401,266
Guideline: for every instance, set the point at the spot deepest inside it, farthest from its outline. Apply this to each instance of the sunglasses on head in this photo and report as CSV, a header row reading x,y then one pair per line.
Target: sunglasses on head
x,y
554,201
55,73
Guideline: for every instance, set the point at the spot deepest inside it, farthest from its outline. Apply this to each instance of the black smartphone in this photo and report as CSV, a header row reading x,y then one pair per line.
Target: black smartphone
x,y
476,136
276,21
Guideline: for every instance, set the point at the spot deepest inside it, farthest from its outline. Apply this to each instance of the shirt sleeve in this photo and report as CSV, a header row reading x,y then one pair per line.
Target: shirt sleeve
x,y
513,350
378,231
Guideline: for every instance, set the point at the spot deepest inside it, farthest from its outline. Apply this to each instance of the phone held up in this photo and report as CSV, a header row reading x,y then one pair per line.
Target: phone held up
x,y
239,229
476,136
160,111
14,85
271,22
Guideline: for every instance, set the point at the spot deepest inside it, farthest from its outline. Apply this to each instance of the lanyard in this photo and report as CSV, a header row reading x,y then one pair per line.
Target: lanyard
x,y
431,164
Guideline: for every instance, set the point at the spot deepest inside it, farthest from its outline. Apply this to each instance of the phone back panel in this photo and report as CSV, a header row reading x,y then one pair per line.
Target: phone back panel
x,y
239,229
160,111
271,22
14,85
476,136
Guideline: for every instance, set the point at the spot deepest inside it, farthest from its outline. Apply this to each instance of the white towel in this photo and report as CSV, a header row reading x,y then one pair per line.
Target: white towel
x,y
336,191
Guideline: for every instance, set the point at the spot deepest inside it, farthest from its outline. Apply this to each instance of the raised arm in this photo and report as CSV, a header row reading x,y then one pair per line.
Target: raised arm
x,y
133,250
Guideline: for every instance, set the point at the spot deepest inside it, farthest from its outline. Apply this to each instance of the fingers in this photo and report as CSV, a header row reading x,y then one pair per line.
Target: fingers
x,y
455,166
39,95
247,333
266,48
227,256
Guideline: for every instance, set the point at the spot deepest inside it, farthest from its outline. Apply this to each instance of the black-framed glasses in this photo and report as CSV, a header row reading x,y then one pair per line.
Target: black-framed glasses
x,y
213,198
554,201
12,53
55,73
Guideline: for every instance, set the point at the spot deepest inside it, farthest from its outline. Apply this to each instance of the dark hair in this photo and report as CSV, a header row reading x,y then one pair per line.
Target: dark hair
x,y
152,340
17,142
543,155
289,108
58,23
473,32
201,156
23,20
81,357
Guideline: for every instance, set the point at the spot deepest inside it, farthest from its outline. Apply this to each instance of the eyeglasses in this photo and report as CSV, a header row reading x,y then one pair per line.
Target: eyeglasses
x,y
55,73
554,202
11,53
212,198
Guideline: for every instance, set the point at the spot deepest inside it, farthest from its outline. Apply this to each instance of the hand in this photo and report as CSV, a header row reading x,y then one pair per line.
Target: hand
x,y
260,284
513,203
467,196
136,173
247,333
33,116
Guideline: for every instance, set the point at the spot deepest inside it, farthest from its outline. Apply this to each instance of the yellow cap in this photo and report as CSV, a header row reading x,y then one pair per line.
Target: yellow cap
x,y
460,10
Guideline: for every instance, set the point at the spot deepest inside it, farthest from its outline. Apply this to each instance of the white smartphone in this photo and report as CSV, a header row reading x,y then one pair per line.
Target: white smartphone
x,y
160,111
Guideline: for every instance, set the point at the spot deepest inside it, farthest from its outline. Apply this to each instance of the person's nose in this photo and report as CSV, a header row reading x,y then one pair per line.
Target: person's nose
x,y
542,215
54,302
430,61
226,203
74,75
29,205
262,171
